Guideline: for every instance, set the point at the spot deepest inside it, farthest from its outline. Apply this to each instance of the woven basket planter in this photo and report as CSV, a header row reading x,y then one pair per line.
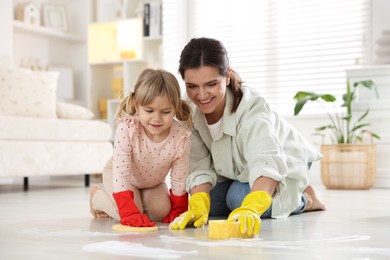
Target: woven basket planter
x,y
348,166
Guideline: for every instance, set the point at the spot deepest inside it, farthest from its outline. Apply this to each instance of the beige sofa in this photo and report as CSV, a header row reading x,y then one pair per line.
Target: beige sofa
x,y
40,136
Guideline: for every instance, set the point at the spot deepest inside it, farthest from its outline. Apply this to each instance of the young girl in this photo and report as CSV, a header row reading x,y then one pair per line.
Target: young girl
x,y
149,143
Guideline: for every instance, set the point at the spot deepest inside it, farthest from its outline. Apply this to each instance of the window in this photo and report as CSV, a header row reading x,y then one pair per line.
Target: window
x,y
280,47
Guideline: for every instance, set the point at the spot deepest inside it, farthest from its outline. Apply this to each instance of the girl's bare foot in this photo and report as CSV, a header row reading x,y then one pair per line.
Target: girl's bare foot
x,y
95,213
313,202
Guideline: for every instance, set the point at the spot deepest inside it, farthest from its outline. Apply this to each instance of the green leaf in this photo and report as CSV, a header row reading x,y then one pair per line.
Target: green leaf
x,y
347,117
358,127
339,130
368,84
328,97
322,128
363,116
303,94
299,105
375,136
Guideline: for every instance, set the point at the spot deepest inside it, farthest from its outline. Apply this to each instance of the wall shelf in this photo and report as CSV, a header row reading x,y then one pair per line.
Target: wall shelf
x,y
116,62
152,38
47,32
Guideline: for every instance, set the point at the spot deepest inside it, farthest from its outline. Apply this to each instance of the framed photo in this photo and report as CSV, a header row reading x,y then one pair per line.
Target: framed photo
x,y
55,16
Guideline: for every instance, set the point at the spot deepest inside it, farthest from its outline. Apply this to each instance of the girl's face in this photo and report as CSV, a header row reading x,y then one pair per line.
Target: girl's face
x,y
207,90
156,118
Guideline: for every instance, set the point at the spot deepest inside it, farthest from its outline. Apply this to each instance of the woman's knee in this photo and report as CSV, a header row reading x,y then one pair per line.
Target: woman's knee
x,y
236,194
218,194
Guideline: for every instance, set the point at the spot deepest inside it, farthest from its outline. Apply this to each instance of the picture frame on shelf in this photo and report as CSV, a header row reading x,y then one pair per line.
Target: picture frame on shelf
x,y
55,17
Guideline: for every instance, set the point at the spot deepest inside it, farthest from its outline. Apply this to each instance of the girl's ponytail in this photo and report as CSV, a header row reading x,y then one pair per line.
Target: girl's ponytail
x,y
184,113
126,106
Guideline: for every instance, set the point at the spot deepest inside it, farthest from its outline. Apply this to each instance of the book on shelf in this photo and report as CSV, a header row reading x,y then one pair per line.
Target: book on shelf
x,y
146,20
155,19
152,20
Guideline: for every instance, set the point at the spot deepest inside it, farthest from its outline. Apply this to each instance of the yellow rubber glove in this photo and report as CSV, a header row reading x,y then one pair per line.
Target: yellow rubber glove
x,y
198,213
252,207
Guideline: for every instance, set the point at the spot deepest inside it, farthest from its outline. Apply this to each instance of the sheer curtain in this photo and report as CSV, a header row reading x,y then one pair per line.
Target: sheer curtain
x,y
280,47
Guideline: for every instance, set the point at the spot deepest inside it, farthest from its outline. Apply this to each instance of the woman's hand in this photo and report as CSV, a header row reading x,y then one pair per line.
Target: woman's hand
x,y
248,215
198,213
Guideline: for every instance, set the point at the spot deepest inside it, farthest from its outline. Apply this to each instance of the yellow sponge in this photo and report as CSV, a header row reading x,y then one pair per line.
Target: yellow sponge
x,y
123,228
222,229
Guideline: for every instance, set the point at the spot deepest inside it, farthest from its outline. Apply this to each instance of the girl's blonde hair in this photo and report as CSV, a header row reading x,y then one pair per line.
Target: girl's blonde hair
x,y
150,84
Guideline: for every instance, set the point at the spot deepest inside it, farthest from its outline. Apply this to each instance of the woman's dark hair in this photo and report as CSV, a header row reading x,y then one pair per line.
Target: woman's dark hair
x,y
210,52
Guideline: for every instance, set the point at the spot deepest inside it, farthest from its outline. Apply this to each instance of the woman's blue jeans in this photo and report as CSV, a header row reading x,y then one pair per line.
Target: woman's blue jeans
x,y
228,195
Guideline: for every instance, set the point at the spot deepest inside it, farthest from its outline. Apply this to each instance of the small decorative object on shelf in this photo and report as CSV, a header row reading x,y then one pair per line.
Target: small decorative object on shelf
x,y
128,54
103,107
28,13
55,16
382,49
117,82
33,63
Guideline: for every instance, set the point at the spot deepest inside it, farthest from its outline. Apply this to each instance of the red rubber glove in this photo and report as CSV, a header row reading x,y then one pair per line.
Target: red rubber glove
x,y
179,204
128,211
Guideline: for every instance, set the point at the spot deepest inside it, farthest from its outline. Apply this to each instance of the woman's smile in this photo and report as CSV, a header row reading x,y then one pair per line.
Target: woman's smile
x,y
205,102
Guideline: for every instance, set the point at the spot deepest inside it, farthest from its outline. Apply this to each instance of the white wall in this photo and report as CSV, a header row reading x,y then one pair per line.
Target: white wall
x,y
6,28
305,125
380,20
379,117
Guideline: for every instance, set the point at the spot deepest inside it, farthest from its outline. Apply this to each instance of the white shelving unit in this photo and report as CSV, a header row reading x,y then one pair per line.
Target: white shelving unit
x,y
47,32
119,42
25,43
74,48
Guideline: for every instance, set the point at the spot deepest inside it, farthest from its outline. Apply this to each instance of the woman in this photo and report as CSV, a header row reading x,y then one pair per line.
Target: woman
x,y
244,157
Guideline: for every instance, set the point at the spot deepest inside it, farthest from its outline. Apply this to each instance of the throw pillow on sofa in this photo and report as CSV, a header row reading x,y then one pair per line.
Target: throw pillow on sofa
x,y
28,93
73,111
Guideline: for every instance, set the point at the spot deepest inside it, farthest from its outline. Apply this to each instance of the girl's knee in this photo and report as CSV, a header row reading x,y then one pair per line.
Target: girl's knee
x,y
158,211
156,202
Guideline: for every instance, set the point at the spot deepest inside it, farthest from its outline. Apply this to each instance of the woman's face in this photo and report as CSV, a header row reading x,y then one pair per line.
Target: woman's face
x,y
207,90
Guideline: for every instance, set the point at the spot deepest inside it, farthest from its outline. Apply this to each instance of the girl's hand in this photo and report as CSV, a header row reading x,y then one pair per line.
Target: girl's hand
x,y
137,220
128,211
179,204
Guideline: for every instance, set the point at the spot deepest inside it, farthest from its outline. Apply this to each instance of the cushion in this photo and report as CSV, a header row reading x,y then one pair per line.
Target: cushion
x,y
28,93
73,111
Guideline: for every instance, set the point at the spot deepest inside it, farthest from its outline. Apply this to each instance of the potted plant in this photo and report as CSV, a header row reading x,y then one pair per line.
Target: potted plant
x,y
348,162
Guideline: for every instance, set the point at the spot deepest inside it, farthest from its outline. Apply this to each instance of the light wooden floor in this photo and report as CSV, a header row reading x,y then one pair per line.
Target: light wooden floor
x,y
52,221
